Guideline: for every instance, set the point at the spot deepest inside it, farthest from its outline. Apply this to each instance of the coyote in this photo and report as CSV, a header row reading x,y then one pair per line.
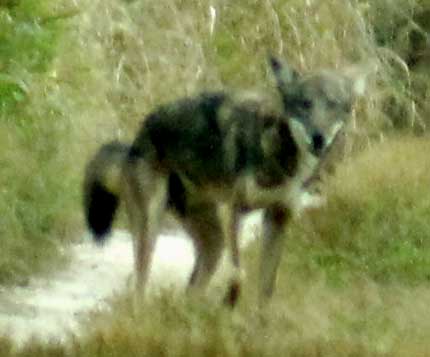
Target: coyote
x,y
218,152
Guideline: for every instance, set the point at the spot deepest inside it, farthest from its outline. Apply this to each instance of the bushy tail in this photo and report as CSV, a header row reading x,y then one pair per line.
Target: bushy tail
x,y
101,188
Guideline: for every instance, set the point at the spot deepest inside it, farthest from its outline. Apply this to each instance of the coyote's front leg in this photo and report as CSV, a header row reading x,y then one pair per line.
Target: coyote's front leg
x,y
231,231
274,223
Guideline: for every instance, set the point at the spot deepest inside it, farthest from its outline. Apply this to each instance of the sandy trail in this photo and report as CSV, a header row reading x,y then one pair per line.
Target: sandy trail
x,y
49,308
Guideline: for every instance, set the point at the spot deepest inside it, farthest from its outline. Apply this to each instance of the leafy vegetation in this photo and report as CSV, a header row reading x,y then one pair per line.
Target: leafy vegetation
x,y
28,44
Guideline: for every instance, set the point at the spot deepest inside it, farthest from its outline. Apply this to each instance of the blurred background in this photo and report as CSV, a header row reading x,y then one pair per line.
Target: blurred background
x,y
76,73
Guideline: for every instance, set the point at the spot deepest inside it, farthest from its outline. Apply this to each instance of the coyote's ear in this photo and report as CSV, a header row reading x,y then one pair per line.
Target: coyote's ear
x,y
358,77
275,63
284,74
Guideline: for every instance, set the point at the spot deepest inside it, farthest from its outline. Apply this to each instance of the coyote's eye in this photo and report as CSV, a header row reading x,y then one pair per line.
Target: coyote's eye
x,y
305,104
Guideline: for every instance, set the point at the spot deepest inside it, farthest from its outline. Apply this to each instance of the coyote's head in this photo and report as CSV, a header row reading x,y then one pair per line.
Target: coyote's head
x,y
317,104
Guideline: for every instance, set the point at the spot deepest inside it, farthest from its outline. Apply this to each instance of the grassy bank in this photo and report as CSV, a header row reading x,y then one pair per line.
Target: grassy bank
x,y
29,135
46,115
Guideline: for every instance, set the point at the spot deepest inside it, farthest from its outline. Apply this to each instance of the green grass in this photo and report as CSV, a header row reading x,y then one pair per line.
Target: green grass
x,y
28,45
354,277
46,112
382,200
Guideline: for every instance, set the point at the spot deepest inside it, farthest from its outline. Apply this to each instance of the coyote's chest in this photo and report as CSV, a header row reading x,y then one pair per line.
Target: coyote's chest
x,y
249,192
287,193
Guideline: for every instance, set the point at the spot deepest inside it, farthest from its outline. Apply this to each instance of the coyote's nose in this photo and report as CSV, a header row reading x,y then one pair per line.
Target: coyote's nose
x,y
318,143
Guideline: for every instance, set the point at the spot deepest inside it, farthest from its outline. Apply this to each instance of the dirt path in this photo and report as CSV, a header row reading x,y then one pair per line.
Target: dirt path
x,y
49,308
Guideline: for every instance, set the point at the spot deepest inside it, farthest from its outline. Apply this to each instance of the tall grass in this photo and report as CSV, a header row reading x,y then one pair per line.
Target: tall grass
x,y
75,74
28,45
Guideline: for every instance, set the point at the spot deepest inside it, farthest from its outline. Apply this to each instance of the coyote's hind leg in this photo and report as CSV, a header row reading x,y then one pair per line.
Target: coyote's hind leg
x,y
145,200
